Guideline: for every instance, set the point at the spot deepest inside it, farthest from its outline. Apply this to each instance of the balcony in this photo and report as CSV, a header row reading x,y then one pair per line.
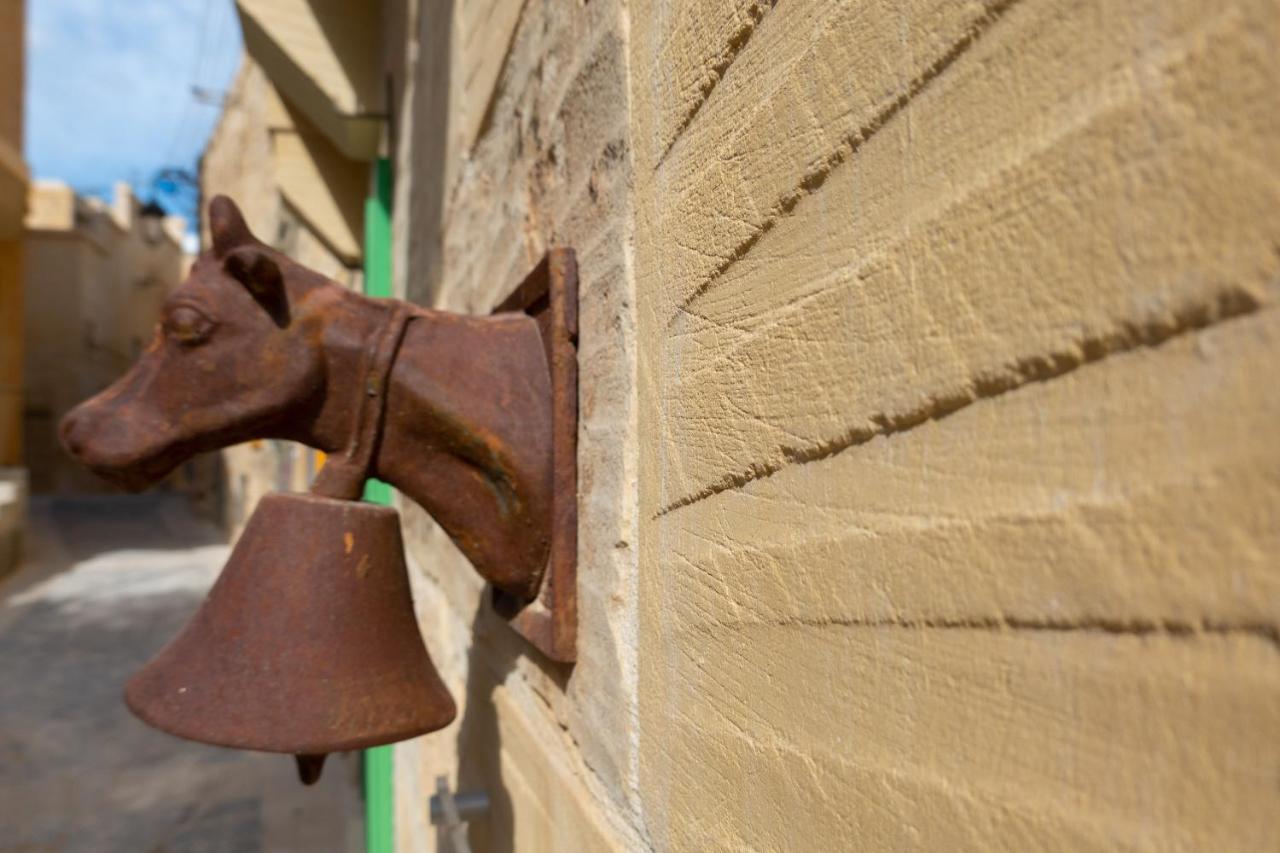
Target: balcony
x,y
322,57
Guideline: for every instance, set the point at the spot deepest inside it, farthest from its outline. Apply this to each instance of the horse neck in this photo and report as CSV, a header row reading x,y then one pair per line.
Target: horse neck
x,y
347,323
467,434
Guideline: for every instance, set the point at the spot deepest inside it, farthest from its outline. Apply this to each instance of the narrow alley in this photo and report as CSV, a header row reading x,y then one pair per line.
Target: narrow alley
x,y
107,581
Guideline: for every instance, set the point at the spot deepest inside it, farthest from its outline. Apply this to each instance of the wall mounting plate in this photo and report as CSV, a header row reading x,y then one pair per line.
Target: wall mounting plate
x,y
549,294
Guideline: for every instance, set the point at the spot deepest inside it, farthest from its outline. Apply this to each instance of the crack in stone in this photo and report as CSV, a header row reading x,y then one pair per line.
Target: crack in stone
x,y
1267,632
1128,335
737,42
851,144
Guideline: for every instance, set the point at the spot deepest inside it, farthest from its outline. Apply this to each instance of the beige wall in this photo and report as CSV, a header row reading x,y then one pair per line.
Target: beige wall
x,y
515,139
926,499
237,162
958,495
259,152
323,58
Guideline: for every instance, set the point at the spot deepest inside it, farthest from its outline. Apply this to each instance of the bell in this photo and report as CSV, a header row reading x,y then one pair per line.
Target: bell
x,y
306,644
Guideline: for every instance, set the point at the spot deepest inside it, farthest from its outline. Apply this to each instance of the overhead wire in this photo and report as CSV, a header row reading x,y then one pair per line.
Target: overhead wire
x,y
214,77
188,102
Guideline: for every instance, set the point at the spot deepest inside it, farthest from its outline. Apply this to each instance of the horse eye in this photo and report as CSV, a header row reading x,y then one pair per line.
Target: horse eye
x,y
187,326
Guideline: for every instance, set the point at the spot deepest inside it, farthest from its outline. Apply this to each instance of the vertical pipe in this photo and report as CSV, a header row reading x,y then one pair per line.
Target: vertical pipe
x,y
379,791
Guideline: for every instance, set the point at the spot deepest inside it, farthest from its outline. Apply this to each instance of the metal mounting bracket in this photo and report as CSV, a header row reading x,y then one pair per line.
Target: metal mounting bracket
x,y
549,294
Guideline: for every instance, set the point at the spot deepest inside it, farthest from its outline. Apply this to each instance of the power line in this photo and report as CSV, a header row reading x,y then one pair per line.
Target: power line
x,y
187,103
213,76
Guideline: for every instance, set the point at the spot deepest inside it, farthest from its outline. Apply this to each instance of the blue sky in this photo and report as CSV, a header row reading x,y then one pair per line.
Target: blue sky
x,y
109,88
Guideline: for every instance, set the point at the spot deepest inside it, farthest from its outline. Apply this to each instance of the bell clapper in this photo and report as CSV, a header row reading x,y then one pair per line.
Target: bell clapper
x,y
310,767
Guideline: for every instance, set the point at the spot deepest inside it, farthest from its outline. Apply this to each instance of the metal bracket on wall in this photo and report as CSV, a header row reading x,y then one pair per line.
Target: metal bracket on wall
x,y
549,294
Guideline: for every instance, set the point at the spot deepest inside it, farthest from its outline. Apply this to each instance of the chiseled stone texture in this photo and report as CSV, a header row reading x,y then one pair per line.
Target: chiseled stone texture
x,y
516,124
958,492
927,496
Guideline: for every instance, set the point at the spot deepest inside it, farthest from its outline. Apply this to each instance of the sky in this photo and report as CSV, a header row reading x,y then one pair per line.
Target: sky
x,y
109,90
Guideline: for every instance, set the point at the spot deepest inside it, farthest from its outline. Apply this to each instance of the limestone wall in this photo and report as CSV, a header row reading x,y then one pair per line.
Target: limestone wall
x,y
958,494
927,494
516,139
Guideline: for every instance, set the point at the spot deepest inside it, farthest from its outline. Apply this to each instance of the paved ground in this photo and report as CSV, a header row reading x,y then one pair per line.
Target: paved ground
x,y
107,582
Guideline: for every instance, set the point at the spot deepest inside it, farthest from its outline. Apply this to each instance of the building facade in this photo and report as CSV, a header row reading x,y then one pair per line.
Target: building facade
x,y
926,496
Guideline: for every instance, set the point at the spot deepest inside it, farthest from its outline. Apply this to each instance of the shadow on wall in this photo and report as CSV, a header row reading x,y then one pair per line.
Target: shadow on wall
x,y
354,41
491,660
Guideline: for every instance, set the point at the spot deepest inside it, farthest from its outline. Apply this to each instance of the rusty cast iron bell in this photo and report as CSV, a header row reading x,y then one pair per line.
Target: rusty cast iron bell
x,y
308,641
306,644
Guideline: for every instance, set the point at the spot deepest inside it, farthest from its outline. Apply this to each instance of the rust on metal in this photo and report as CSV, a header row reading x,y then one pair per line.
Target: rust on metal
x,y
253,345
302,646
549,294
308,643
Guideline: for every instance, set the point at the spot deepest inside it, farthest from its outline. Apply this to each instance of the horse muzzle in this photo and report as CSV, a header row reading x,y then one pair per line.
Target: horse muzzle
x,y
107,445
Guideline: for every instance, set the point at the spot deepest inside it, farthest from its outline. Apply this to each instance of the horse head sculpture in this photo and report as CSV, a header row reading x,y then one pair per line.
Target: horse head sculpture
x,y
308,642
253,345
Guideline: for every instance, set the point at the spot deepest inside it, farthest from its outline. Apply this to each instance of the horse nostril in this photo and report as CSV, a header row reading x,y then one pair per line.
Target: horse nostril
x,y
69,433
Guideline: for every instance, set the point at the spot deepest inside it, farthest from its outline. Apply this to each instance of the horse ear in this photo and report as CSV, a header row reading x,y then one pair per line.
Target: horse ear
x,y
261,276
227,226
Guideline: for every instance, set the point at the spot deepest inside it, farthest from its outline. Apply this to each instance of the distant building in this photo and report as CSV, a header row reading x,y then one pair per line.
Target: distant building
x,y
96,275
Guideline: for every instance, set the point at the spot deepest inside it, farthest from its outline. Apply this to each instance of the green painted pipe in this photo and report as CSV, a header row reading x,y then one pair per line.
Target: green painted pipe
x,y
379,766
